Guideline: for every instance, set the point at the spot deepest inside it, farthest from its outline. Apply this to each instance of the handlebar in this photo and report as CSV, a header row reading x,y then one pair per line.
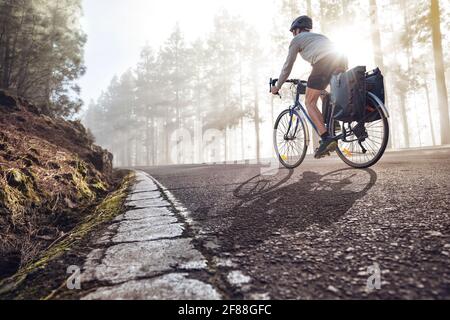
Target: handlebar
x,y
272,83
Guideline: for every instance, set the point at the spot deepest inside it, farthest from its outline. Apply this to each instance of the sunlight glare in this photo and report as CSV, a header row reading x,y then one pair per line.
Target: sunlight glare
x,y
356,45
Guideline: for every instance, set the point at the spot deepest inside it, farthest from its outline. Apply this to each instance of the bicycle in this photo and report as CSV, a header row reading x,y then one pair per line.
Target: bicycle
x,y
361,144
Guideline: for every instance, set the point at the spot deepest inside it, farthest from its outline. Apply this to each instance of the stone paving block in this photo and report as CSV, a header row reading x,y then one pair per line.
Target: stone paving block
x,y
158,202
144,185
173,286
144,195
147,222
147,232
92,261
130,261
138,214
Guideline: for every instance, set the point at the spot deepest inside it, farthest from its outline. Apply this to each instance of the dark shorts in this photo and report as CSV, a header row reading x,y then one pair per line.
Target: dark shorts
x,y
323,70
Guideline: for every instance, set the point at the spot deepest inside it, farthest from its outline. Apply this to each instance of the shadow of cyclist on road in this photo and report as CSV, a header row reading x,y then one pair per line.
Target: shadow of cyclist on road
x,y
272,204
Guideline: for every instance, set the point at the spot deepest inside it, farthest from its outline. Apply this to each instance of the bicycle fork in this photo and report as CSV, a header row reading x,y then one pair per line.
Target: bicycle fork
x,y
293,115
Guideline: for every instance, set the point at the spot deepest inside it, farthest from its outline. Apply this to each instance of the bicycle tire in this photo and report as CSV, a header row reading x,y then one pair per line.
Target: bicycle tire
x,y
380,152
275,141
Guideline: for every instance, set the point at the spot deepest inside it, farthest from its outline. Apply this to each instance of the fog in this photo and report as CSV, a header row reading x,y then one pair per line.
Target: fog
x,y
187,81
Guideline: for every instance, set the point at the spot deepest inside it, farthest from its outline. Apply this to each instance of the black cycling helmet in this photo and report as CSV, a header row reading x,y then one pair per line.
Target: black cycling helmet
x,y
302,22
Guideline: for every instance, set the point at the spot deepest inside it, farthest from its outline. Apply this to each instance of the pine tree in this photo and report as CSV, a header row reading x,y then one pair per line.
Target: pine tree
x,y
223,108
439,67
177,76
41,52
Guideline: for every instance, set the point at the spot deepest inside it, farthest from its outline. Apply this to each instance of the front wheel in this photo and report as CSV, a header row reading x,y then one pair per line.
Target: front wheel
x,y
365,142
290,139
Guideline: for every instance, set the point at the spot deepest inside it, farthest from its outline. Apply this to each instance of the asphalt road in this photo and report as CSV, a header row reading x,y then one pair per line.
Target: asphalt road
x,y
323,230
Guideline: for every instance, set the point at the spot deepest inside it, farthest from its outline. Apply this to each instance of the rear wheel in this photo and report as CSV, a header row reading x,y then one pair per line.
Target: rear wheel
x,y
365,142
290,139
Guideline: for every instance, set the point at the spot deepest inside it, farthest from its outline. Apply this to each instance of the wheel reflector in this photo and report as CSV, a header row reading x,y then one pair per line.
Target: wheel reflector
x,y
347,152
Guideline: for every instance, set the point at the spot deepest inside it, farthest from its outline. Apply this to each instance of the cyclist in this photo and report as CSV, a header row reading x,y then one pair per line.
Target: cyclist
x,y
320,52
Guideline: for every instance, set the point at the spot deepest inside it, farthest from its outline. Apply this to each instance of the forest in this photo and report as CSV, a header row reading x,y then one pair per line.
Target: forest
x,y
41,52
207,100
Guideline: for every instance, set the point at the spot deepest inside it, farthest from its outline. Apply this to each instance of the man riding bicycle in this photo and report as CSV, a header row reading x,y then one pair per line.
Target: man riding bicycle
x,y
320,52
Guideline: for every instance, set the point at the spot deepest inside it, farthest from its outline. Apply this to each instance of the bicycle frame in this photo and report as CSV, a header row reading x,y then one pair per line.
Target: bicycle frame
x,y
299,110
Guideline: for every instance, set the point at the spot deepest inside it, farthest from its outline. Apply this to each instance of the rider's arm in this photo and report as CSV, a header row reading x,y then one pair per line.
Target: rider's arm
x,y
294,49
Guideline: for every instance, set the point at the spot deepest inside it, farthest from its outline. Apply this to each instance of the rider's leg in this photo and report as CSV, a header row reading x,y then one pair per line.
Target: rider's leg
x,y
318,80
327,144
312,96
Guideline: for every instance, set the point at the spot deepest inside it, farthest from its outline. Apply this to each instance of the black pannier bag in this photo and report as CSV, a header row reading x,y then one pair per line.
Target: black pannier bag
x,y
348,94
375,85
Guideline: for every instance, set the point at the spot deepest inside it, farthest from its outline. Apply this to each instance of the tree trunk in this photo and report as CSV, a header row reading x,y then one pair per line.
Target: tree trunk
x,y
25,63
124,153
293,8
167,145
399,87
6,64
241,107
128,149
178,115
441,86
323,25
241,121
147,139
156,143
257,129
153,142
378,52
345,13
309,8
225,148
404,117
409,54
427,93
198,124
15,52
376,36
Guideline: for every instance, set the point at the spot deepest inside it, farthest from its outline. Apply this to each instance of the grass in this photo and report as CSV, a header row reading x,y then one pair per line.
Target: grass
x,y
107,210
18,191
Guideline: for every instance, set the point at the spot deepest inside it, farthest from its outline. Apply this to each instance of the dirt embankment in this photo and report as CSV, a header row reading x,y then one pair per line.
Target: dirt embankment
x,y
51,174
